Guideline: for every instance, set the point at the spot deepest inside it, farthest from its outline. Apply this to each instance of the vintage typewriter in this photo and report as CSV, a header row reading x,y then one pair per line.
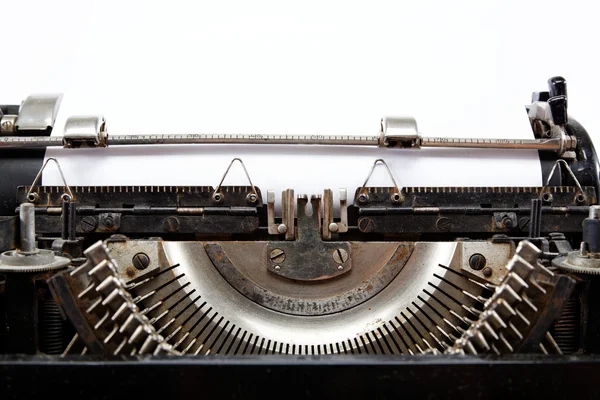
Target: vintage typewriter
x,y
392,290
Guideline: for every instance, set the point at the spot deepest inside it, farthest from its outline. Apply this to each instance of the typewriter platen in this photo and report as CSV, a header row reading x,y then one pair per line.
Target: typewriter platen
x,y
193,275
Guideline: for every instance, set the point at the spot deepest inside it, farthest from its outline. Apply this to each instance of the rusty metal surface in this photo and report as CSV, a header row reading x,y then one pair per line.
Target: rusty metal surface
x,y
521,310
309,258
424,307
242,265
496,256
198,312
123,252
8,233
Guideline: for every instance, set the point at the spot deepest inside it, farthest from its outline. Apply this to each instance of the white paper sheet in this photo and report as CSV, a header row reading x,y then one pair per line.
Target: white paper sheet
x,y
331,68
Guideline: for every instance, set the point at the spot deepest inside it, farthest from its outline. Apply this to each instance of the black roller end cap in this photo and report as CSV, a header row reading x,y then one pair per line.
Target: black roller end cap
x,y
557,86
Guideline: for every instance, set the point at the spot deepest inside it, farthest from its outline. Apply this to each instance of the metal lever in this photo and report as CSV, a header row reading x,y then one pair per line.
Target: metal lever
x,y
287,214
329,226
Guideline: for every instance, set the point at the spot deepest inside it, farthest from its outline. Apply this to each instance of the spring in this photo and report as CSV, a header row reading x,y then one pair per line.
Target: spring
x,y
51,328
566,329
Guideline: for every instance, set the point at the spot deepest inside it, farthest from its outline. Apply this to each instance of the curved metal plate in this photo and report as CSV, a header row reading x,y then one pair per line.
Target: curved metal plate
x,y
376,264
427,305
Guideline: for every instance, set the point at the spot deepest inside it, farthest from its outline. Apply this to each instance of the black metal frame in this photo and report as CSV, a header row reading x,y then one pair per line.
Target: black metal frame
x,y
290,377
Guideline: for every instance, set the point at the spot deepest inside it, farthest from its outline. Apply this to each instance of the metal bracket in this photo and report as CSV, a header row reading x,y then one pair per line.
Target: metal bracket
x,y
363,193
38,113
329,226
218,195
85,131
287,221
581,196
400,132
484,261
308,258
33,197
287,224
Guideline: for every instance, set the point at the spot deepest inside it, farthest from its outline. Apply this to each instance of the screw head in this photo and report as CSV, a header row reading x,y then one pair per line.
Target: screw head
x,y
477,262
218,197
7,125
507,222
487,272
277,256
523,223
108,222
171,224
340,267
140,261
340,256
363,198
366,225
277,268
333,227
88,224
547,197
251,198
33,197
443,224
249,224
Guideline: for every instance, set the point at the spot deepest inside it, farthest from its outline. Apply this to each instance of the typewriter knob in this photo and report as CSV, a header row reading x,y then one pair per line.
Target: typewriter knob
x,y
557,86
558,100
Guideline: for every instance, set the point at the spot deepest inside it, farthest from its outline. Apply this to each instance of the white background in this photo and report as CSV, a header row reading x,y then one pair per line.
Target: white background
x,y
462,68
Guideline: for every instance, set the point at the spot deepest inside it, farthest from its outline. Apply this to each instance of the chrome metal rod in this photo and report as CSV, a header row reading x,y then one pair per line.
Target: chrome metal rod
x,y
553,144
30,141
340,140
